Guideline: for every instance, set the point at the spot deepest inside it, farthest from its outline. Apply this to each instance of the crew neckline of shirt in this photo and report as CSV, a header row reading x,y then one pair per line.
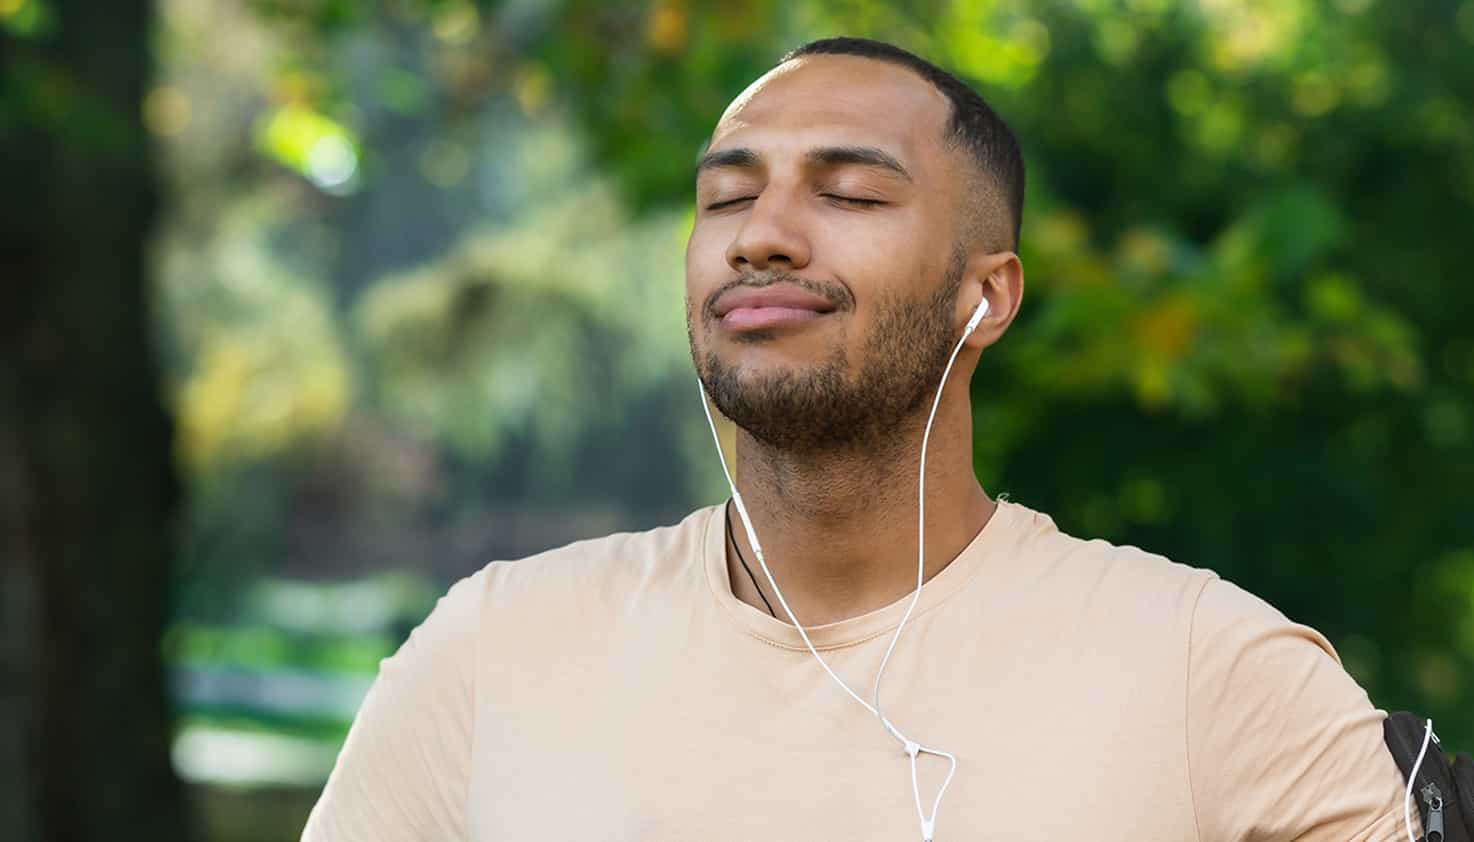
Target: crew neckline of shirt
x,y
854,630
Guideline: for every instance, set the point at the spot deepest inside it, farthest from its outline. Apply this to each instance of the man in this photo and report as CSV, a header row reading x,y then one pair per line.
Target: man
x,y
854,207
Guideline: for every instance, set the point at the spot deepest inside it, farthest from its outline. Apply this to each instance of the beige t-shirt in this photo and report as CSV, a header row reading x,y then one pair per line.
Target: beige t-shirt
x,y
615,689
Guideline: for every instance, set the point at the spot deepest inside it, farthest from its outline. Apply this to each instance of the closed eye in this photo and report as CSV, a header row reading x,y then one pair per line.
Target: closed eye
x,y
726,203
852,201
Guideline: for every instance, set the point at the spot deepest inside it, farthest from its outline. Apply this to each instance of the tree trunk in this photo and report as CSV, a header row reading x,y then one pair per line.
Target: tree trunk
x,y
86,480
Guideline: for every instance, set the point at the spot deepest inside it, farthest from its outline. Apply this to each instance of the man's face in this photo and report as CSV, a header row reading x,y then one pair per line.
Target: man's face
x,y
823,266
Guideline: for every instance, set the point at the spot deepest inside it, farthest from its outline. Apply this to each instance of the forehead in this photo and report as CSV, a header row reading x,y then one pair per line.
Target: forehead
x,y
837,100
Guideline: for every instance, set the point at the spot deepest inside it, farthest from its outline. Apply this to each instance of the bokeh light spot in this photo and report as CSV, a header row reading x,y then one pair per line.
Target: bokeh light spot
x,y
532,88
1246,34
166,111
331,161
1032,36
1437,675
1145,251
311,143
1117,41
1333,298
1188,91
665,30
456,23
1314,94
27,18
1221,126
1367,84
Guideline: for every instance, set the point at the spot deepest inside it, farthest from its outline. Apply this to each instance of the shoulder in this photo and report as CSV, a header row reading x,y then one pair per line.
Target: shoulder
x,y
1282,742
1139,591
620,555
613,573
1242,644
1097,577
1139,595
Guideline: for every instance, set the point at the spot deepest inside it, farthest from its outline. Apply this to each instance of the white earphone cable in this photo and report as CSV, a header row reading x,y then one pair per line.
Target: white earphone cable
x,y
1407,798
920,528
758,551
911,747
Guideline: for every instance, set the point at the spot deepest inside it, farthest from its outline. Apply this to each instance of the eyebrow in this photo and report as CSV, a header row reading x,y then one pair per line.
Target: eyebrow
x,y
738,157
865,156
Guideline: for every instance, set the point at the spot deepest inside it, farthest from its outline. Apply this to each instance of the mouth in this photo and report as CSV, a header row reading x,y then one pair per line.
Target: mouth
x,y
765,308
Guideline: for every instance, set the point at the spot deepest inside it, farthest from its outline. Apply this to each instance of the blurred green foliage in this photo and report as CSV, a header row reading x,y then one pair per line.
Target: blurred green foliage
x,y
457,226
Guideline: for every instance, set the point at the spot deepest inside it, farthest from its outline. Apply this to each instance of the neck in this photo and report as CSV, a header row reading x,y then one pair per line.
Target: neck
x,y
839,527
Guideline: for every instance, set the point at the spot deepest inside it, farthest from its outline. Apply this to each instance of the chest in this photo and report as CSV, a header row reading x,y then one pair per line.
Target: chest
x,y
670,741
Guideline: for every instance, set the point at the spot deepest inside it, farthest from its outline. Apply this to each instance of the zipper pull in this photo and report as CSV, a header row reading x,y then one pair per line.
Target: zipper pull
x,y
1433,797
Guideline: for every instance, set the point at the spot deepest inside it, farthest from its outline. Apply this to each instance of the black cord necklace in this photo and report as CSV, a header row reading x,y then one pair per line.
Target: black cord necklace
x,y
743,561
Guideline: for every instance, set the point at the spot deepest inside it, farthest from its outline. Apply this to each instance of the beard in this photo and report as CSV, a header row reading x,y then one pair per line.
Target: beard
x,y
828,406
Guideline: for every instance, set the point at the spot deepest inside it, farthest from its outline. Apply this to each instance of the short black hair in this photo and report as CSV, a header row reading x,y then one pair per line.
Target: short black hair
x,y
974,125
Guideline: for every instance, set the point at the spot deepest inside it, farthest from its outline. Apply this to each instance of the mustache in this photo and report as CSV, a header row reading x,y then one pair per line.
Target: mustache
x,y
836,294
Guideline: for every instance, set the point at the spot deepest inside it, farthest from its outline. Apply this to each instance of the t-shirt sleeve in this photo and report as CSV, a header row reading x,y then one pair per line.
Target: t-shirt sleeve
x,y
403,773
1282,743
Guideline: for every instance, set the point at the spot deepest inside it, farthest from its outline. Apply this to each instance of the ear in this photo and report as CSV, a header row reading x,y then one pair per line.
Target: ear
x,y
998,277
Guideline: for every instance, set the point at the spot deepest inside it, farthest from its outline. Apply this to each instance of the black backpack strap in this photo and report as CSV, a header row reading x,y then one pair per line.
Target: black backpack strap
x,y
1443,792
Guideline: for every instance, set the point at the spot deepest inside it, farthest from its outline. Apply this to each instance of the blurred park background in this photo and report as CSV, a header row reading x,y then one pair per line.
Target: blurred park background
x,y
311,307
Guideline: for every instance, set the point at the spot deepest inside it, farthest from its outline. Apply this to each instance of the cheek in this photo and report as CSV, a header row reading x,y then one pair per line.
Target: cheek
x,y
706,265
881,256
709,237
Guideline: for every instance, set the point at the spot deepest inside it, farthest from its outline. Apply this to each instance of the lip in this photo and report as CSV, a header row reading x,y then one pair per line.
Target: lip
x,y
757,308
761,318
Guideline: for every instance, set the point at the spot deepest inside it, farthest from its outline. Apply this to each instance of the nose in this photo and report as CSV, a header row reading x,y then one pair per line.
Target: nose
x,y
771,233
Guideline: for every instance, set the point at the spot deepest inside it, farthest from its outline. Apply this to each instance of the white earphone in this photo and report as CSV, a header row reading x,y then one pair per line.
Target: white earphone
x,y
977,318
910,746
